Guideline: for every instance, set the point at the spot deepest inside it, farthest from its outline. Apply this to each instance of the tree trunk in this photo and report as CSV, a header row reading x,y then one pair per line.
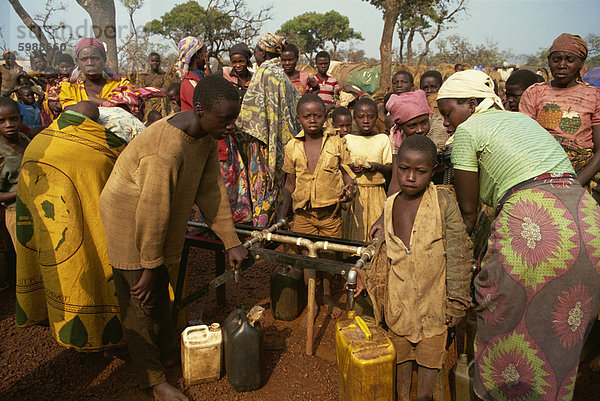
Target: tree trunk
x,y
102,13
409,51
30,24
390,16
401,37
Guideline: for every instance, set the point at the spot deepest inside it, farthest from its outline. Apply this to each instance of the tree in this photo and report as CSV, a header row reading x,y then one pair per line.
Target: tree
x,y
54,32
311,31
428,19
391,11
102,13
220,25
455,49
30,23
593,41
136,46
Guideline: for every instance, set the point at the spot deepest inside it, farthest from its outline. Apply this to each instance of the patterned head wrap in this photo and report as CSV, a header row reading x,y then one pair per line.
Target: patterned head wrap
x,y
8,52
90,42
569,43
272,43
408,105
130,97
471,83
187,48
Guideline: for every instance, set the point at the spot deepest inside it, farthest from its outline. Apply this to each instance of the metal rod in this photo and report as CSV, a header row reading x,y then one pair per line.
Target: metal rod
x,y
313,247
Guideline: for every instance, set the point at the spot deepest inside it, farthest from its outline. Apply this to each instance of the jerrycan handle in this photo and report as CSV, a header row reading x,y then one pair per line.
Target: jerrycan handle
x,y
362,325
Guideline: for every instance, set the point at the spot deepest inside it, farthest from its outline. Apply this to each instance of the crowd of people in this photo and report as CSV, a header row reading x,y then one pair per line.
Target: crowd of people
x,y
99,173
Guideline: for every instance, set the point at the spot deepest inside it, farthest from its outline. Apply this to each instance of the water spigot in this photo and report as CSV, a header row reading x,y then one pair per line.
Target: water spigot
x,y
351,285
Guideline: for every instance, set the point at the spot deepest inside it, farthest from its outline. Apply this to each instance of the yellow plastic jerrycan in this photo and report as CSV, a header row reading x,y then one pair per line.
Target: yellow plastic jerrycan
x,y
366,360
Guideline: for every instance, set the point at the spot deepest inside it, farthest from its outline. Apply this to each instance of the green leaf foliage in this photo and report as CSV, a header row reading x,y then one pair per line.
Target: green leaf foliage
x,y
220,25
311,31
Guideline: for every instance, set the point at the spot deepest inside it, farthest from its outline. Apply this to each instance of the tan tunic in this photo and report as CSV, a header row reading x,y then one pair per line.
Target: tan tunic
x,y
148,197
415,303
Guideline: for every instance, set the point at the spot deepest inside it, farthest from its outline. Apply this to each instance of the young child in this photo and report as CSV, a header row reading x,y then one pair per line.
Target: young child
x,y
174,98
371,156
316,180
402,82
425,264
516,85
329,87
144,208
431,82
341,118
303,80
64,65
29,107
152,117
12,146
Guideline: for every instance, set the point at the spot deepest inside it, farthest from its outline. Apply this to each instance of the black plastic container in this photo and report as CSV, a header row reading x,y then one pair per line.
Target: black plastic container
x,y
243,345
288,293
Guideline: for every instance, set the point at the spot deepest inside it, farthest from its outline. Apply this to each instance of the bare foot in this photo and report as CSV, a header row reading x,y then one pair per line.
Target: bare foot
x,y
332,309
166,392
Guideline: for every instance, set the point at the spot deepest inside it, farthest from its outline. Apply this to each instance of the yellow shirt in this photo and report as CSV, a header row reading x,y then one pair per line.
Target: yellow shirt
x,y
375,149
71,93
321,188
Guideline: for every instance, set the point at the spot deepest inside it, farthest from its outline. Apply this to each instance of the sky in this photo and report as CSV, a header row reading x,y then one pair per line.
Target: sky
x,y
520,26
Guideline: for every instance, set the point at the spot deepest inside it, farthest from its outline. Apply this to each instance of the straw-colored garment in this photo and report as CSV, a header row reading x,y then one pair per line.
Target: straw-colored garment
x,y
367,205
63,272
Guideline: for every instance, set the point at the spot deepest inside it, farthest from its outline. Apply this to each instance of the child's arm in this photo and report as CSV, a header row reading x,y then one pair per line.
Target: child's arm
x,y
459,260
39,93
384,169
288,190
8,196
348,190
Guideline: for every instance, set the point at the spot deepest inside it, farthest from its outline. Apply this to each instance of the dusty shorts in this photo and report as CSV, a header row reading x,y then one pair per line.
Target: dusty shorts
x,y
428,352
324,221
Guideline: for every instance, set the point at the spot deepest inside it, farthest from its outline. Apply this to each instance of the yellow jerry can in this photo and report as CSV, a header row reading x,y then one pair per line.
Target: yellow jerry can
x,y
366,360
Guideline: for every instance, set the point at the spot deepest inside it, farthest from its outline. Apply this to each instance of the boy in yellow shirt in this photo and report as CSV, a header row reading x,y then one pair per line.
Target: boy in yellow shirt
x,y
316,180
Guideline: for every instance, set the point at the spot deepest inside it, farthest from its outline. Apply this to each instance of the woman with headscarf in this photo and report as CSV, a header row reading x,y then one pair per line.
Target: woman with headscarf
x,y
91,79
238,73
538,286
411,115
192,66
268,121
233,168
569,108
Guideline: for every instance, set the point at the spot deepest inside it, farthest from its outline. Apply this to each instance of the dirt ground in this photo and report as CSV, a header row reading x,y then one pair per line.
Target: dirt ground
x,y
34,367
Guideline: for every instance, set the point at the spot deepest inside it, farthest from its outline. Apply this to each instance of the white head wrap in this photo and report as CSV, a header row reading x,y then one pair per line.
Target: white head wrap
x,y
471,83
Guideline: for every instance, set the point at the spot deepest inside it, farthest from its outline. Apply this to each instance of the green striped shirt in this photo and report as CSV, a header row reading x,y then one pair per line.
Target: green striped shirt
x,y
506,148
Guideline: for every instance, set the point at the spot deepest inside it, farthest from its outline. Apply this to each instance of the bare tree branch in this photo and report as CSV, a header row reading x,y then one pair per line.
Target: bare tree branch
x,y
30,23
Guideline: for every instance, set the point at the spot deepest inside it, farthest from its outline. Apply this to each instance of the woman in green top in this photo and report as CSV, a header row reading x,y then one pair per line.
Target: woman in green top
x,y
537,290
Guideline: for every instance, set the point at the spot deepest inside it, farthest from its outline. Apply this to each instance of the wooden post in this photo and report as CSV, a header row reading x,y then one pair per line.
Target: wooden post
x,y
310,313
